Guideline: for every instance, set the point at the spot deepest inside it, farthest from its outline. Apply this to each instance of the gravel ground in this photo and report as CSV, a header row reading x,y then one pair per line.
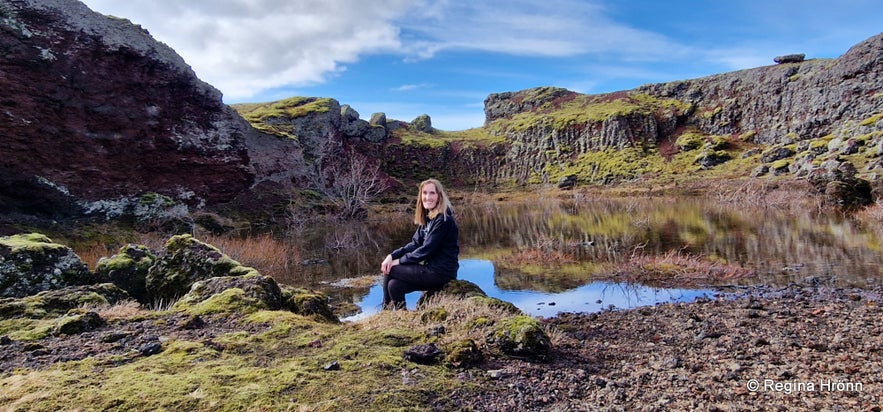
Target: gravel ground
x,y
801,347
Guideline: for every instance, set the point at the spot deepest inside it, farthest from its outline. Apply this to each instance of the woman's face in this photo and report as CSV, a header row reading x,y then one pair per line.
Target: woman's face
x,y
429,196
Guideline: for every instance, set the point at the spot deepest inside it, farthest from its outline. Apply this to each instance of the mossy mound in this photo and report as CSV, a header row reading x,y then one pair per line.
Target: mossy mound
x,y
185,261
308,303
52,303
457,288
78,321
128,269
32,263
229,294
522,336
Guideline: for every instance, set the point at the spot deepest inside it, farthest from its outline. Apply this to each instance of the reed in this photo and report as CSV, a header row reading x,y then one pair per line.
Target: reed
x,y
264,252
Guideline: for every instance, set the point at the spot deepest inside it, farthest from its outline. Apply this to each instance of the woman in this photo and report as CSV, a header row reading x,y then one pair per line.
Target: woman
x,y
429,261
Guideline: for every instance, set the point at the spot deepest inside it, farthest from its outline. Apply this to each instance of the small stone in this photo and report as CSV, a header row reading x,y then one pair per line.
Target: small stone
x,y
423,354
496,374
4,340
150,348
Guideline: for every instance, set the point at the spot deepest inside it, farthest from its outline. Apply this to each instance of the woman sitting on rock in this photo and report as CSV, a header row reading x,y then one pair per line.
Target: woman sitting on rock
x,y
430,260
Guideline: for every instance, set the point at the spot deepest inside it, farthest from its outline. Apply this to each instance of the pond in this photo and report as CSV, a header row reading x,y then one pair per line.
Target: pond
x,y
576,237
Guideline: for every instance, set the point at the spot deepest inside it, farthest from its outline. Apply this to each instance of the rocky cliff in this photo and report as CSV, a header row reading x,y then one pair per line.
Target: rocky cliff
x,y
95,113
812,101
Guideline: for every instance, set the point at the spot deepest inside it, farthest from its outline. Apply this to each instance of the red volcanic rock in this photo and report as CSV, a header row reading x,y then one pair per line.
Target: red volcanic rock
x,y
93,108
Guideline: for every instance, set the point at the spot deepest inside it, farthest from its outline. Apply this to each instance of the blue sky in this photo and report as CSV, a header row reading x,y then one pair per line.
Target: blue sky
x,y
442,58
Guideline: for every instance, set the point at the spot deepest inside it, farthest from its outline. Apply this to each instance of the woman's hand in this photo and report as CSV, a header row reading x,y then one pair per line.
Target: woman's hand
x,y
387,264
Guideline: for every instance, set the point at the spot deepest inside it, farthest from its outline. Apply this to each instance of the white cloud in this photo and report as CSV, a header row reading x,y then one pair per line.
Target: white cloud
x,y
410,87
552,28
243,47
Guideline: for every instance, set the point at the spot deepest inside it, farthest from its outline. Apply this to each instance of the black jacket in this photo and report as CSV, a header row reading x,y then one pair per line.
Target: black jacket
x,y
435,244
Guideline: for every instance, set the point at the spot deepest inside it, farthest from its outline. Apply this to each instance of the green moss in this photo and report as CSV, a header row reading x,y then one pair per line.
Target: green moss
x,y
872,120
434,315
690,140
30,242
583,109
522,336
156,199
780,164
747,136
233,300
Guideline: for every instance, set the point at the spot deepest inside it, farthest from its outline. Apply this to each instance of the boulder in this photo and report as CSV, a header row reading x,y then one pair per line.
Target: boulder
x,y
463,353
775,153
837,182
308,303
790,58
567,182
128,269
521,336
710,158
424,354
378,119
32,263
227,294
76,322
423,123
185,261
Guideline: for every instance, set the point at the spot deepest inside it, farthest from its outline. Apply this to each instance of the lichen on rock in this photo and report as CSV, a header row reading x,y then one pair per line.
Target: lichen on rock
x,y
32,263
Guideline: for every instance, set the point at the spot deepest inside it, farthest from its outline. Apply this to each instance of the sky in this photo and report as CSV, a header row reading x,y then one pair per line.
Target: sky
x,y
406,58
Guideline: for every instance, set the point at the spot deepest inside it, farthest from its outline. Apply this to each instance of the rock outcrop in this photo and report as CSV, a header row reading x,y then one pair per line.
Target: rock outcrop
x,y
33,263
96,112
185,261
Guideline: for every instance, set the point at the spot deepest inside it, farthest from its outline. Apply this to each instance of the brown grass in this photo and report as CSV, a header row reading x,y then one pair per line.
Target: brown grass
x,y
461,313
128,309
269,255
678,269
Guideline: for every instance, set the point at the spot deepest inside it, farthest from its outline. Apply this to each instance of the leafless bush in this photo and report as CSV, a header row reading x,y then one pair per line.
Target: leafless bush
x,y
351,185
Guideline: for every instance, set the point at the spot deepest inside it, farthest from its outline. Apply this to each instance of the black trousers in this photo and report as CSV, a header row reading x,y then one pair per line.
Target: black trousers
x,y
403,279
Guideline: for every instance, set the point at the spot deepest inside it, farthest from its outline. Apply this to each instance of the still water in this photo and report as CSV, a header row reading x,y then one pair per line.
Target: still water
x,y
778,246
592,297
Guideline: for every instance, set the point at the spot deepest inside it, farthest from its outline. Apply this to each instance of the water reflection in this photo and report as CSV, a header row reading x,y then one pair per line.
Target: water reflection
x,y
592,297
780,246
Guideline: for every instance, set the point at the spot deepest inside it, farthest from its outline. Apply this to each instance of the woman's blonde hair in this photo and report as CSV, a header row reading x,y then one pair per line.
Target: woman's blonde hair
x,y
421,215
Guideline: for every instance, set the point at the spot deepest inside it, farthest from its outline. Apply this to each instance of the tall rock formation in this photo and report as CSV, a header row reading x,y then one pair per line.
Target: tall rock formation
x,y
94,112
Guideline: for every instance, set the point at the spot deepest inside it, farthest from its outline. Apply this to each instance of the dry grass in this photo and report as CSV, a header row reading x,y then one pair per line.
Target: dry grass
x,y
763,193
872,214
269,255
460,323
128,309
678,269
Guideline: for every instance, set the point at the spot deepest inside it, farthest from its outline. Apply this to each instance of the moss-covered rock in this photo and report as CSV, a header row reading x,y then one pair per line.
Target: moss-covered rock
x,y
53,303
463,353
690,141
128,269
521,336
77,321
497,303
32,263
229,294
434,315
308,303
185,261
457,288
